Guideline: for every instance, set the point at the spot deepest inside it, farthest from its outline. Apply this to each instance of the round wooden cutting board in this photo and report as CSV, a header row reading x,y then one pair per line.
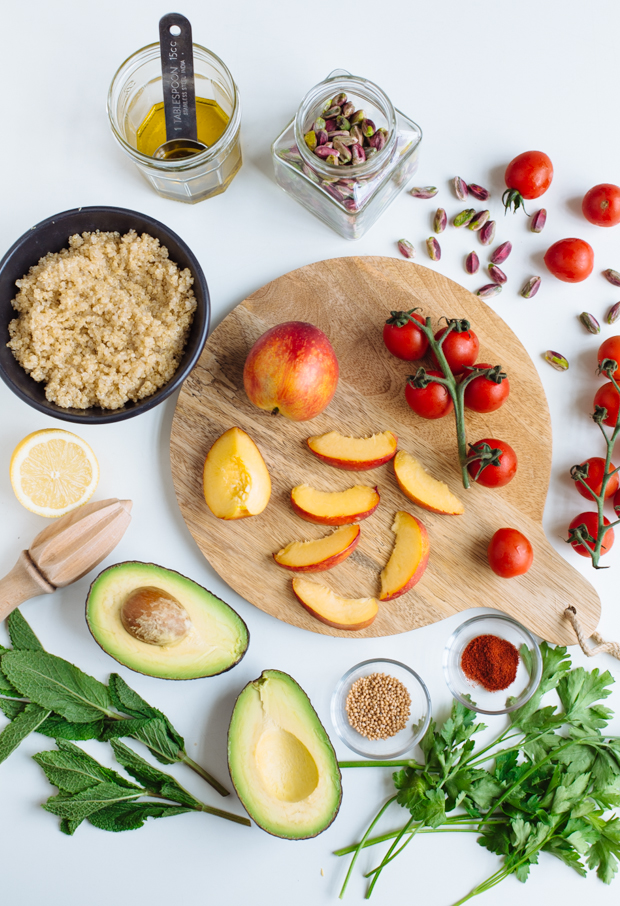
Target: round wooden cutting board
x,y
349,299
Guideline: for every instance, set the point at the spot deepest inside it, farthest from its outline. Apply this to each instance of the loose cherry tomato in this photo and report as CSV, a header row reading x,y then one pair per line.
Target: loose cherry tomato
x,y
460,349
528,175
483,394
594,481
403,337
432,401
510,553
493,476
601,205
610,349
590,520
570,260
607,396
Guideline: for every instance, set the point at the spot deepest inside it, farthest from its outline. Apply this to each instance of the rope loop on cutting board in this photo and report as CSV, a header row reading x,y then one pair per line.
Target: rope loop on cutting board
x,y
601,646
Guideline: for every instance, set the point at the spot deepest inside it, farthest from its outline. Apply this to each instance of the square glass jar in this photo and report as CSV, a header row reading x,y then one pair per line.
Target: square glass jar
x,y
348,198
137,88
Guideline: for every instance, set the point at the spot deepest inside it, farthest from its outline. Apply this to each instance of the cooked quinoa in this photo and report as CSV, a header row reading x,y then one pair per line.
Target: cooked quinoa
x,y
104,321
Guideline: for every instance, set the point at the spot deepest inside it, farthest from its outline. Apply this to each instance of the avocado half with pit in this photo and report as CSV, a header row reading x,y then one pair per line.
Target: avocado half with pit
x,y
158,622
281,761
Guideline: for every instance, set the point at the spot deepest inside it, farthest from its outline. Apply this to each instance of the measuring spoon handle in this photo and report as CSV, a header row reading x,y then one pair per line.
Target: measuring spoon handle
x,y
177,67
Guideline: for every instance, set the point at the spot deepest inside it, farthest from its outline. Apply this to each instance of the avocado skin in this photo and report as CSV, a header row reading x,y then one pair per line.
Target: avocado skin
x,y
335,807
174,573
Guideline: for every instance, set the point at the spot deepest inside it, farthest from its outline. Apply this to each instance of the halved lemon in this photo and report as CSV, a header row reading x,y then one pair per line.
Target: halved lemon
x,y
53,471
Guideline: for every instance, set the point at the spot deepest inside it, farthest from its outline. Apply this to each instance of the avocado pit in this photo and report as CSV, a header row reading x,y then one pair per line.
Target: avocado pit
x,y
155,617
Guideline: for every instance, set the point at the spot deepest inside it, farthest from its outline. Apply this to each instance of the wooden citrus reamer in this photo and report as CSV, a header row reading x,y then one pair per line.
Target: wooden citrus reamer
x,y
65,551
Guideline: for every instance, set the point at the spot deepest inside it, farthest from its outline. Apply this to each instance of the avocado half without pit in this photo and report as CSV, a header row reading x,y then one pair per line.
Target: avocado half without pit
x,y
281,760
158,622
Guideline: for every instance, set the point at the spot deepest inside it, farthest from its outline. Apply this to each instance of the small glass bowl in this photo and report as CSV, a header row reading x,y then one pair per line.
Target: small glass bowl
x,y
402,741
475,696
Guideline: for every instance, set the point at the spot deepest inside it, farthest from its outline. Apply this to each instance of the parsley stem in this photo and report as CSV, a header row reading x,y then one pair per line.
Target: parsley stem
x,y
381,764
391,854
360,845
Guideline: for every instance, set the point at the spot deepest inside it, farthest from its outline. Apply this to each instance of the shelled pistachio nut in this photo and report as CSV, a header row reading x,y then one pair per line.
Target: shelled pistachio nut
x,y
530,288
556,360
472,263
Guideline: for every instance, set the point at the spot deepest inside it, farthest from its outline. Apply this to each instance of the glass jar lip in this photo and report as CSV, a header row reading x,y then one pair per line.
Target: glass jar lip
x,y
357,171
148,52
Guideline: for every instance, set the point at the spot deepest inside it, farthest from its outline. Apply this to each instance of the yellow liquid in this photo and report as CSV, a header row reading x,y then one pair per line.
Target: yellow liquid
x,y
211,121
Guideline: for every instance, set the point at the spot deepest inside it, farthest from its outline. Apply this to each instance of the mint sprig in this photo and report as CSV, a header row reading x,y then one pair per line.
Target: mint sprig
x,y
42,692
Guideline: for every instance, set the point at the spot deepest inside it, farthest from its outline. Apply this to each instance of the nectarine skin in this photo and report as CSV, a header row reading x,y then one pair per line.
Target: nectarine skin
x,y
323,565
350,627
352,465
420,568
292,369
334,520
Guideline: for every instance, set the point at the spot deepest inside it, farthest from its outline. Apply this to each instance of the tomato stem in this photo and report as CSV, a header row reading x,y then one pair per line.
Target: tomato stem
x,y
455,388
600,414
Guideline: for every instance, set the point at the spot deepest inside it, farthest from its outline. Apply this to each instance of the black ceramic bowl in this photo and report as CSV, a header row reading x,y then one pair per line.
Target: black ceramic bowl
x,y
52,235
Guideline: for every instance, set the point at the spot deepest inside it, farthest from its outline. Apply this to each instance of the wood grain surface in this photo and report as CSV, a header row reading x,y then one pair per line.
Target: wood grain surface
x,y
349,299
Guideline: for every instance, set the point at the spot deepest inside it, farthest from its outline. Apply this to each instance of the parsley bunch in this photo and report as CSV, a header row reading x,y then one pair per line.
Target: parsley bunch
x,y
43,693
546,783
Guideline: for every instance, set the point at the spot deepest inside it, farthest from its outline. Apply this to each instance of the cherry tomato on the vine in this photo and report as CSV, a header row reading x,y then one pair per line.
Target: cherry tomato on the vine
x,y
432,401
616,503
610,349
590,520
460,349
594,481
570,260
403,338
601,205
527,176
607,396
493,476
510,553
483,394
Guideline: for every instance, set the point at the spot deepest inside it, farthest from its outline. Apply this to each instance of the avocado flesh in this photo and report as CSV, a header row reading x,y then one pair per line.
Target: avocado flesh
x,y
217,640
281,760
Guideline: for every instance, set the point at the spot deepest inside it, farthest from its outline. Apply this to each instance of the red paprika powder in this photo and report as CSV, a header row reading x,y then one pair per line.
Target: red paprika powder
x,y
490,661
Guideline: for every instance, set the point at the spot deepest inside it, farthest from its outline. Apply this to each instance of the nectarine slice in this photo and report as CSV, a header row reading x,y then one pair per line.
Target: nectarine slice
x,y
409,557
356,454
331,609
235,478
334,507
317,556
423,489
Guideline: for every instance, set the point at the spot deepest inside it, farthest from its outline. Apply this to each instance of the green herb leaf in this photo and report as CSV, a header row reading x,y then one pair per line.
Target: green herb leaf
x,y
58,727
21,635
605,853
81,805
11,708
154,735
22,725
73,770
56,684
579,691
123,816
129,702
68,826
154,780
569,793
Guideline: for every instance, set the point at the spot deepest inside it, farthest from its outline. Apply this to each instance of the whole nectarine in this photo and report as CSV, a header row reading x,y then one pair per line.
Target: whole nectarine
x,y
292,368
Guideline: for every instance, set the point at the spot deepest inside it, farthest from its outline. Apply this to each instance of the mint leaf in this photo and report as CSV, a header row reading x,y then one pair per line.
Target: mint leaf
x,y
116,729
153,779
123,816
129,702
69,827
154,735
81,805
58,727
22,725
73,770
21,635
56,684
11,708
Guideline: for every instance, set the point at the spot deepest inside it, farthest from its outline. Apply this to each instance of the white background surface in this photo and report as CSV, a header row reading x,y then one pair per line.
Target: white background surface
x,y
485,81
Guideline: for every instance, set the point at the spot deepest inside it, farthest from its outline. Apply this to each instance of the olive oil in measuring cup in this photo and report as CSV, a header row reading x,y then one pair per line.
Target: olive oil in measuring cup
x,y
211,122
